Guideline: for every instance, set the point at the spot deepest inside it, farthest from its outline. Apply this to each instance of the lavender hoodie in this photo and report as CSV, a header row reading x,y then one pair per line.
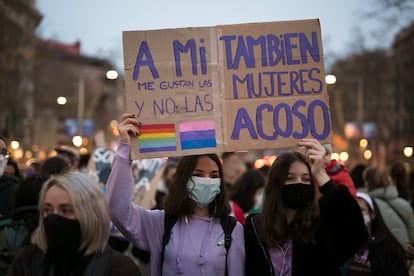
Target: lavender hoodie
x,y
200,240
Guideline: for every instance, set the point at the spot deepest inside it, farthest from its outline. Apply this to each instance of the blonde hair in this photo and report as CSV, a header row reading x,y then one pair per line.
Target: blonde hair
x,y
90,210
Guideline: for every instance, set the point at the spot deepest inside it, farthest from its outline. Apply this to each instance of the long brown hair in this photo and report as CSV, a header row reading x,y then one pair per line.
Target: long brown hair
x,y
376,177
275,228
399,175
178,201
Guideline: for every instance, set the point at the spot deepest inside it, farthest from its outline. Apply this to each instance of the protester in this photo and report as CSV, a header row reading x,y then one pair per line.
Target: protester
x,y
71,155
164,184
34,167
8,183
73,232
197,197
55,165
382,254
395,210
357,177
411,184
16,230
259,199
399,175
295,234
12,169
337,171
246,193
233,167
84,162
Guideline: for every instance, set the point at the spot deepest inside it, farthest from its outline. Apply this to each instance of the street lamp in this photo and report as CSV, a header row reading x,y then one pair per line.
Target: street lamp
x,y
81,103
330,79
61,100
112,74
343,156
14,145
367,154
363,143
77,140
408,152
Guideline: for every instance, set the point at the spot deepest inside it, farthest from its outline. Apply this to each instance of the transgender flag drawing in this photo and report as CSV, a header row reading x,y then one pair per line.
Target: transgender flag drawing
x,y
197,135
155,138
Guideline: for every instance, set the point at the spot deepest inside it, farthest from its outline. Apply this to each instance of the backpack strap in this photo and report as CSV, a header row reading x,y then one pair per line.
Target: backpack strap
x,y
169,221
227,223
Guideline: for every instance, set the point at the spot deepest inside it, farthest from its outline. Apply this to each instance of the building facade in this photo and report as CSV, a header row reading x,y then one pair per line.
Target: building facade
x,y
34,73
373,99
92,100
403,75
18,21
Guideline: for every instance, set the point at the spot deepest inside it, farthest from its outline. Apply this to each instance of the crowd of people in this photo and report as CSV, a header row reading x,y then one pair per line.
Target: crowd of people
x,y
212,214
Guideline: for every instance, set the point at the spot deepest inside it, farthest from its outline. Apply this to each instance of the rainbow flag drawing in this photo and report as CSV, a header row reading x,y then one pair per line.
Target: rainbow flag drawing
x,y
157,137
197,135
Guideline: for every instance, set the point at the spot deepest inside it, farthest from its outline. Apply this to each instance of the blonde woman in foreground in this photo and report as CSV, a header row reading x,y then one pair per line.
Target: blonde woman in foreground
x,y
72,235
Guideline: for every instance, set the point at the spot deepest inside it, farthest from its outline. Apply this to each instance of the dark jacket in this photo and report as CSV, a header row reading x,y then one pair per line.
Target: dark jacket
x,y
340,233
110,263
387,256
15,233
8,187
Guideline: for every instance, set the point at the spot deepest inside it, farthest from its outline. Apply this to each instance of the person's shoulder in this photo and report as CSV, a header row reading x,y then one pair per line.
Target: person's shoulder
x,y
120,264
6,180
250,216
22,262
251,229
252,219
401,204
26,254
395,206
381,202
29,250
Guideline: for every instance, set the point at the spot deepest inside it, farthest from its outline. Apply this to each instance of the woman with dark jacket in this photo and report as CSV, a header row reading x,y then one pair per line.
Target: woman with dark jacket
x,y
382,254
72,233
296,234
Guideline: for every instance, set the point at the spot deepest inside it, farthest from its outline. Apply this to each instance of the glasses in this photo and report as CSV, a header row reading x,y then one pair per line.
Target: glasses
x,y
4,154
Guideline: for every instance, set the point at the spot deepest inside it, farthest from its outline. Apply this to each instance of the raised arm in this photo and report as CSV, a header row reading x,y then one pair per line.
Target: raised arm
x,y
138,225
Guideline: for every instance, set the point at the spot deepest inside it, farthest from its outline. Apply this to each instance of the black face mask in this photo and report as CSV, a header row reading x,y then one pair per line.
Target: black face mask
x,y
298,195
62,232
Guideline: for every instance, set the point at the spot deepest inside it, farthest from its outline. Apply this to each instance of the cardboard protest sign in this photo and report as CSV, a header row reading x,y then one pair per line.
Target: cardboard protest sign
x,y
226,88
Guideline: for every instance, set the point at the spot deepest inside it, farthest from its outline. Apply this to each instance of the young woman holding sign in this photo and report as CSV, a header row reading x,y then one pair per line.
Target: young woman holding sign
x,y
197,198
295,234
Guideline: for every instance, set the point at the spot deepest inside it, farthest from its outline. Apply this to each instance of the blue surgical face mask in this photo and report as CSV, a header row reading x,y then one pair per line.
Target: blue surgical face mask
x,y
203,190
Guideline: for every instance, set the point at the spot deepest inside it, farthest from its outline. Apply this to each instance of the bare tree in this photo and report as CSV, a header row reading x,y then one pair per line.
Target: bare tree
x,y
389,16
